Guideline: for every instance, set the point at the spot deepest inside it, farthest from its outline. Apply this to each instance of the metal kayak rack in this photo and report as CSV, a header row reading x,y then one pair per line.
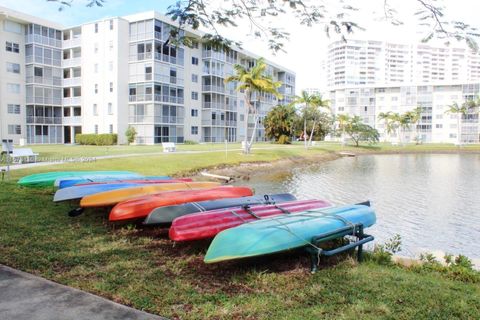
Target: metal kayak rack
x,y
354,230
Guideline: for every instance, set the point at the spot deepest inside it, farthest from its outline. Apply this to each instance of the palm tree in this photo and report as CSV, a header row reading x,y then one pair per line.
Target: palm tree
x,y
414,117
315,110
253,82
460,111
308,103
395,120
343,121
388,128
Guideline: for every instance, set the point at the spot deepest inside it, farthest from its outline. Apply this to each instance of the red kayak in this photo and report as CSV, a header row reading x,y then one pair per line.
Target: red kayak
x,y
140,207
204,225
142,181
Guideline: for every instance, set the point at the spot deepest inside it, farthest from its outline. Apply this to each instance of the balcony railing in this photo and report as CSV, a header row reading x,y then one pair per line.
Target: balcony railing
x,y
72,62
56,81
72,43
156,97
156,119
44,120
213,105
72,100
44,100
72,120
36,38
213,88
168,79
212,72
72,82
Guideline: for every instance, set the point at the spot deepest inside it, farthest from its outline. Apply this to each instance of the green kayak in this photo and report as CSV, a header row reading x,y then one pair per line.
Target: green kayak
x,y
48,178
280,233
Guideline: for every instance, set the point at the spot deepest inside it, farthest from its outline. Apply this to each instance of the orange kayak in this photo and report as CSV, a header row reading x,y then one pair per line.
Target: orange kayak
x,y
141,207
111,198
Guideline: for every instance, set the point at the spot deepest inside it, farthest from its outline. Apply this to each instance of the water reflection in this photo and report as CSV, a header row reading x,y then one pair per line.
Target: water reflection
x,y
432,201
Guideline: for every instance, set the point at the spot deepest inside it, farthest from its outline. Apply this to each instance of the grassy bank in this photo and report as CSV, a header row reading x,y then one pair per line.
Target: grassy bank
x,y
143,269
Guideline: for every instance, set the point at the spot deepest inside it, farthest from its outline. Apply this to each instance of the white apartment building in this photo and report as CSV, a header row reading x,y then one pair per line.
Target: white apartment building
x,y
368,62
435,124
106,75
366,78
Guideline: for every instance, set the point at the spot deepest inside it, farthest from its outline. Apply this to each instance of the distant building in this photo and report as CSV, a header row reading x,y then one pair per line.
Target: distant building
x,y
368,77
106,75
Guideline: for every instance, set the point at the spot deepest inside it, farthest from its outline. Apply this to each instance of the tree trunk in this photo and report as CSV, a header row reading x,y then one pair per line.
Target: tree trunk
x,y
305,132
254,133
246,148
311,133
459,129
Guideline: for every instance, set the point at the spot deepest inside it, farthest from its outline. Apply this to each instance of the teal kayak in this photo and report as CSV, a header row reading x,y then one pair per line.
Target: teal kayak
x,y
284,232
49,178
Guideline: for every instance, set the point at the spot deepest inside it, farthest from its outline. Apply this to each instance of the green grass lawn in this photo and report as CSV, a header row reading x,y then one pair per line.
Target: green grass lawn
x,y
144,269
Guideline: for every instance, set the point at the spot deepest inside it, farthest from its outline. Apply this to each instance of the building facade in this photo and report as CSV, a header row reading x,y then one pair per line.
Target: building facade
x,y
366,78
435,125
107,75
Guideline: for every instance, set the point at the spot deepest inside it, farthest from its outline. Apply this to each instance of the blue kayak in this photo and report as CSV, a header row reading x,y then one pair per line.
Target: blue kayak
x,y
78,192
280,233
65,183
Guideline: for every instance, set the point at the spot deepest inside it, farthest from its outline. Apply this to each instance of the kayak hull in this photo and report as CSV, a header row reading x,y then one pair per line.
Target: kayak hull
x,y
141,207
206,225
167,214
111,198
48,178
70,182
284,232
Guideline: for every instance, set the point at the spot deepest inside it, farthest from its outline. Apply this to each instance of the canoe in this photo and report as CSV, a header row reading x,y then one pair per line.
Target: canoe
x,y
111,198
81,182
284,232
70,182
206,225
141,207
167,214
48,178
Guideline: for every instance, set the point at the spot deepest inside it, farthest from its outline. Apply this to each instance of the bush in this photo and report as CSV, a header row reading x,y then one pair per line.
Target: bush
x,y
189,142
131,133
283,139
106,139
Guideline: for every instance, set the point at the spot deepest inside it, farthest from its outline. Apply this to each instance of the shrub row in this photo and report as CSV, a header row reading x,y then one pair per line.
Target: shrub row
x,y
104,139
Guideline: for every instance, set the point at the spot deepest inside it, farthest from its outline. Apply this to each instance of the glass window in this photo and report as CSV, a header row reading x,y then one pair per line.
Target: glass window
x,y
96,27
14,108
38,72
13,67
194,130
111,24
194,112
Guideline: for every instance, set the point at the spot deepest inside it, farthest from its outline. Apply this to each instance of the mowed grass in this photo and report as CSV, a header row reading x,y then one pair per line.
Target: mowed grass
x,y
144,269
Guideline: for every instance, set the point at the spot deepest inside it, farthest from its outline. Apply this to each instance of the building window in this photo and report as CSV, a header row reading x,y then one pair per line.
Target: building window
x,y
194,44
95,68
96,129
195,61
452,135
14,108
439,126
12,47
96,27
13,67
194,130
366,108
110,45
110,128
14,129
111,24
194,95
96,88
13,27
242,117
95,110
95,48
194,77
13,88
110,66
110,108
111,86
194,112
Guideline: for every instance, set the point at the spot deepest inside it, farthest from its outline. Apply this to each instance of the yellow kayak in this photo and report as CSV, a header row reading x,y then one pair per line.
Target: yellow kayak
x,y
110,198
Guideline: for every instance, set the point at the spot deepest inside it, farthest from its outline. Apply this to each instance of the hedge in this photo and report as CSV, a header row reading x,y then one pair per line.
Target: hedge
x,y
105,139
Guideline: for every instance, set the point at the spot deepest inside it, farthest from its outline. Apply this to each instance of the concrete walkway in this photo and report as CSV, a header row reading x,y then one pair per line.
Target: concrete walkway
x,y
25,296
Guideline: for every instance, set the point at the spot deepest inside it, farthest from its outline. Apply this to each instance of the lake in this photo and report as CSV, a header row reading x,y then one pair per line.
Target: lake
x,y
431,200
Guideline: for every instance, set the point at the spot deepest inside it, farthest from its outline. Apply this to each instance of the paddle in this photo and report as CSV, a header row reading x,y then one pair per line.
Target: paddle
x,y
75,212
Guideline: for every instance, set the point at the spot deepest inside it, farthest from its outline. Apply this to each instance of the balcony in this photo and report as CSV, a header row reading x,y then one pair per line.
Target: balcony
x,y
44,100
214,122
210,54
36,38
72,120
72,82
168,79
44,120
156,119
213,105
211,72
72,101
55,81
72,43
73,62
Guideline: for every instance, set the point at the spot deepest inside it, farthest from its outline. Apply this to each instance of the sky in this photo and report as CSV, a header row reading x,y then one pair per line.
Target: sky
x,y
306,48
